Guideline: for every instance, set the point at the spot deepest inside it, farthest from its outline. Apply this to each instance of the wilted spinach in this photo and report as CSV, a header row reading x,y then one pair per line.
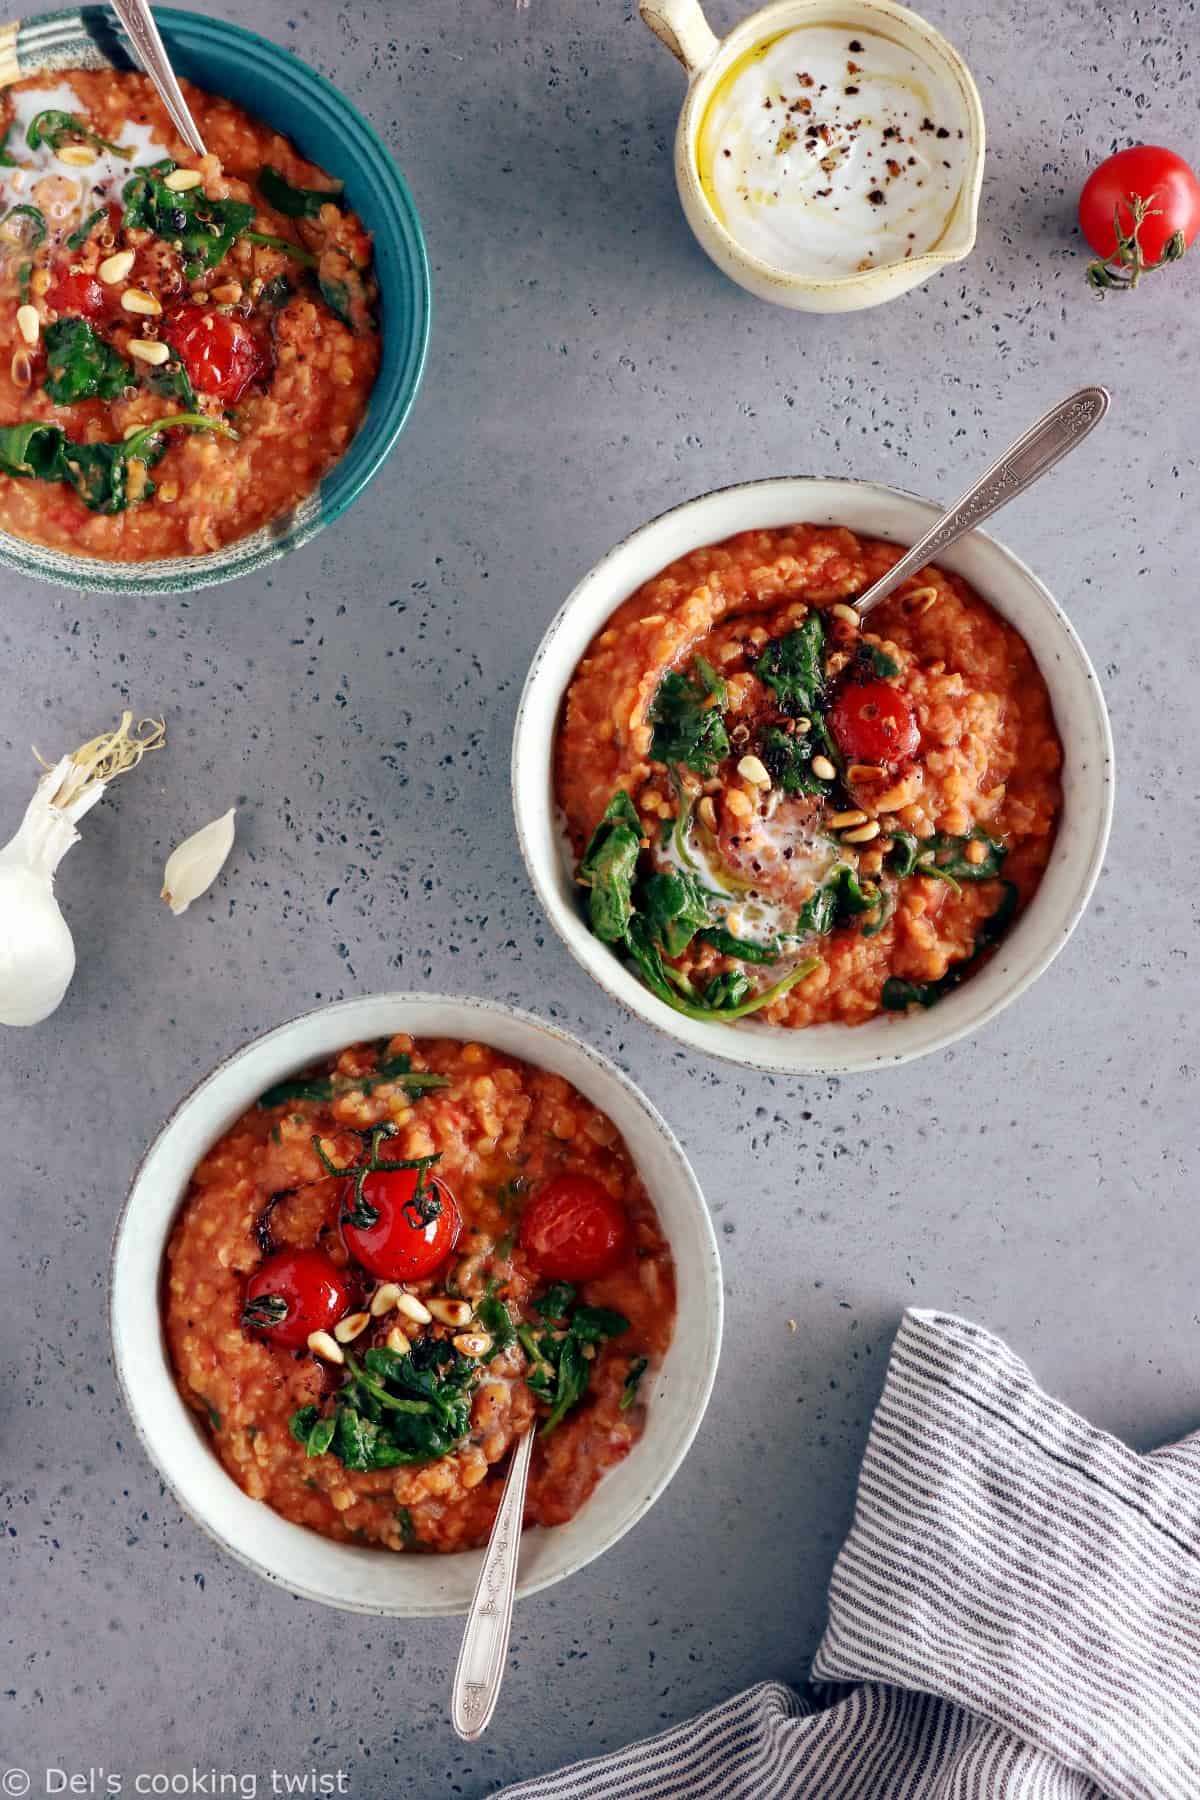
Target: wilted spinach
x,y
100,472
788,760
82,233
898,995
946,855
25,226
294,202
559,1370
793,666
840,899
608,868
58,128
328,1087
687,720
496,1320
205,230
637,1368
674,907
394,1409
80,365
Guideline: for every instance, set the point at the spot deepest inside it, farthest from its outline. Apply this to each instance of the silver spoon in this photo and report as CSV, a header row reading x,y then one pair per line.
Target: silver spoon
x,y
484,1650
142,32
1023,463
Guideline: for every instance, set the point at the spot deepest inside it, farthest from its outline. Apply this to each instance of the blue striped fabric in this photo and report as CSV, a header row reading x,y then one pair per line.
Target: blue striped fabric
x,y
1015,1613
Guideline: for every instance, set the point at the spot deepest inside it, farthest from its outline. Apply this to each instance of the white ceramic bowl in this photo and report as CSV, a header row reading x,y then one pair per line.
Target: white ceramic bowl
x,y
683,28
1000,578
379,1581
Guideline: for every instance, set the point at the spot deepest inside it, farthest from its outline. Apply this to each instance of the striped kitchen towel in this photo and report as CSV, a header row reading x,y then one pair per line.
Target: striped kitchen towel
x,y
1015,1613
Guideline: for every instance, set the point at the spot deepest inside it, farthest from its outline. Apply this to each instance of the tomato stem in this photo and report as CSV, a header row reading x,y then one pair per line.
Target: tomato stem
x,y
1124,268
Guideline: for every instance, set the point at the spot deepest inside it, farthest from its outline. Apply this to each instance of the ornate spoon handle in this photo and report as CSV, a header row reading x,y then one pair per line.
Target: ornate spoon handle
x,y
142,32
485,1641
1023,463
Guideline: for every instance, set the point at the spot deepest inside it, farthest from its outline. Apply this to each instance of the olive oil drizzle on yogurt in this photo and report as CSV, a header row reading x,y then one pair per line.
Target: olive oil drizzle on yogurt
x,y
825,151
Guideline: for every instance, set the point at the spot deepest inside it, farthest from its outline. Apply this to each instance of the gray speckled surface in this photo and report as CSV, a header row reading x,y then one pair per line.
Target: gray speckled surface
x,y
589,368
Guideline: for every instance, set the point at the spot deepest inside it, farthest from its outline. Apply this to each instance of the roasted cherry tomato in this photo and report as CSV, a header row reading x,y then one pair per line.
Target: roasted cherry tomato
x,y
75,296
293,1293
573,1229
1138,210
218,352
413,1233
874,722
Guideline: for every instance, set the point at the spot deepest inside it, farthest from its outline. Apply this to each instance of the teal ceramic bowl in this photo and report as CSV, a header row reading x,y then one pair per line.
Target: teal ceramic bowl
x,y
275,86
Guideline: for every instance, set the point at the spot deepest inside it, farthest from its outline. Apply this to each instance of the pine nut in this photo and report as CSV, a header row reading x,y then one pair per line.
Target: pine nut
x,y
347,1329
28,323
76,156
918,601
149,350
411,1308
975,851
823,769
753,770
837,820
863,835
706,812
397,1341
385,1298
21,369
472,1343
39,281
739,803
865,772
451,1312
137,300
228,294
803,726
846,614
180,180
322,1345
116,267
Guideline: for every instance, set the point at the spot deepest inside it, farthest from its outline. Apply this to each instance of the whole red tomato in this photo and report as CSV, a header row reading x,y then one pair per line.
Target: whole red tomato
x,y
218,352
874,722
573,1229
402,1233
293,1294
1139,210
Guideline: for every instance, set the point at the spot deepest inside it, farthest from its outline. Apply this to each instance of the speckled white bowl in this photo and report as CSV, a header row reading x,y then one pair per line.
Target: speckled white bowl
x,y
1017,595
379,1581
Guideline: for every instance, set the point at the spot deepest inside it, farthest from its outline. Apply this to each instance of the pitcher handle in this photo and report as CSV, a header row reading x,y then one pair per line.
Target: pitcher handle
x,y
683,28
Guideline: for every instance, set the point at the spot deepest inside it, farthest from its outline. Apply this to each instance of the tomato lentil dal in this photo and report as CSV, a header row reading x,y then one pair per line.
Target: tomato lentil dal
x,y
772,810
140,283
504,1131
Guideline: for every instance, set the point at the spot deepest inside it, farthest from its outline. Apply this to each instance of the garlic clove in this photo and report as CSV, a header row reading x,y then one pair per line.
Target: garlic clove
x,y
194,866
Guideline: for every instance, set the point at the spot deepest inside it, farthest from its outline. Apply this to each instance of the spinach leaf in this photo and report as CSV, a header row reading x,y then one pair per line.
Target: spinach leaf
x,y
173,382
637,1368
788,761
271,242
25,226
840,898
394,1409
686,715
80,236
898,995
100,473
204,230
794,667
58,128
649,964
608,867
559,1371
80,365
32,451
945,855
327,1087
882,665
294,202
674,908
344,290
742,948
496,1320
7,159
726,990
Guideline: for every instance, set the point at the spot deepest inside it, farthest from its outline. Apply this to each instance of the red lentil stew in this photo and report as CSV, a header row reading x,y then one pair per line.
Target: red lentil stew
x,y
774,811
390,1269
187,344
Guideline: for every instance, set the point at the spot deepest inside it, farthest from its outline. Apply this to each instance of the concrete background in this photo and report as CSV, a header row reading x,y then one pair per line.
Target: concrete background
x,y
589,367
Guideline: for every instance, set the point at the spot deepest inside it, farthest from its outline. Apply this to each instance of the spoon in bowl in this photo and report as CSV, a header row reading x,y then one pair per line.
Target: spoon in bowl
x,y
1023,463
142,32
485,1641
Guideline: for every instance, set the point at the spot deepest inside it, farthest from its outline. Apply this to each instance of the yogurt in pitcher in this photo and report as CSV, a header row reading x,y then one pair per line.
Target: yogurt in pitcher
x,y
828,150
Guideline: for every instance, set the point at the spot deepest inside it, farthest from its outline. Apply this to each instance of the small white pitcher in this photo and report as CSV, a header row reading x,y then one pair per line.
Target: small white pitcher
x,y
685,31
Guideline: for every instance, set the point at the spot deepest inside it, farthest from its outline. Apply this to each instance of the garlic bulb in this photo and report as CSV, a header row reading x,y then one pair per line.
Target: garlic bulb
x,y
37,951
194,866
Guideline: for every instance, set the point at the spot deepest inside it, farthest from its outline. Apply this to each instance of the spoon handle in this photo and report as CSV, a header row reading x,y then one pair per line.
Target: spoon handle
x,y
485,1641
142,32
1023,463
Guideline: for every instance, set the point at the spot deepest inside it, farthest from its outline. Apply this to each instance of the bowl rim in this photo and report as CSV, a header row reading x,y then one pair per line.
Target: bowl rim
x,y
314,511
779,1050
744,35
712,1298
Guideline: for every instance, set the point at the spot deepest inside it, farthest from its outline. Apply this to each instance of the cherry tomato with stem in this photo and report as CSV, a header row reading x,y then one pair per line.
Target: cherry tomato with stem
x,y
874,722
292,1294
573,1229
1139,211
218,352
403,1227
